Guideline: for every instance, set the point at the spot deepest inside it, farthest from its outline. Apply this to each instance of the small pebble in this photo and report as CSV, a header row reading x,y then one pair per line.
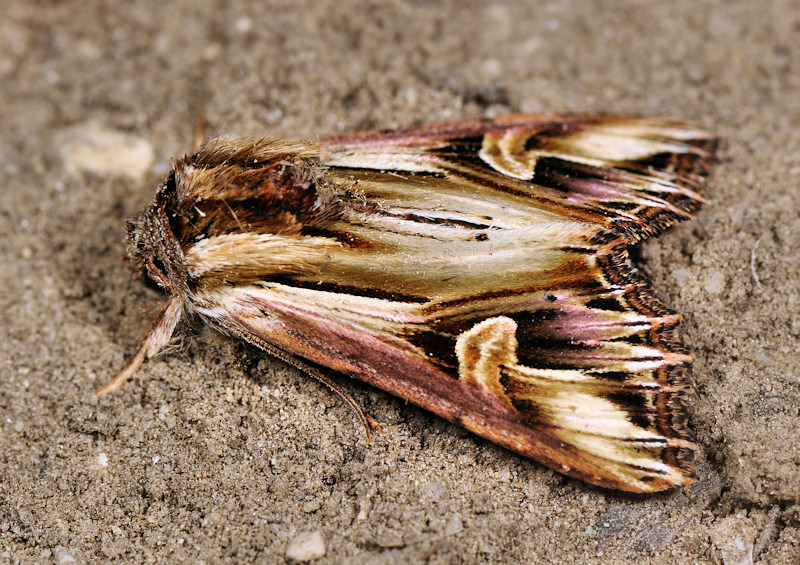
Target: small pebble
x,y
94,149
64,557
454,526
306,546
714,282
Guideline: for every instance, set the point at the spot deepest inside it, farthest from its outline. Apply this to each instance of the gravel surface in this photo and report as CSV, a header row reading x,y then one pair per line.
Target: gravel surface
x,y
214,453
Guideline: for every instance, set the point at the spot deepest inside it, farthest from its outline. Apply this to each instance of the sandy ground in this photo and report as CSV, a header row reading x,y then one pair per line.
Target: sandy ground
x,y
217,454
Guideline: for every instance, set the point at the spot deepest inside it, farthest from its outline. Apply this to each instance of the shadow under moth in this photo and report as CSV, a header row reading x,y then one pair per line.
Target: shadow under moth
x,y
478,269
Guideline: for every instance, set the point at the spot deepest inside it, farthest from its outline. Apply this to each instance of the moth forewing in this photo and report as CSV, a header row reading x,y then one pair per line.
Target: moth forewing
x,y
477,269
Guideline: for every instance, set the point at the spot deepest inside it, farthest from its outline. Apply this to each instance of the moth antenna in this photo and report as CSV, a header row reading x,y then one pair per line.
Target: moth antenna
x,y
158,336
367,421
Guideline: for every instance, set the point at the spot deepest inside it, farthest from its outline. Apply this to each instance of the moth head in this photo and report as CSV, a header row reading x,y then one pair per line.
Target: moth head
x,y
153,247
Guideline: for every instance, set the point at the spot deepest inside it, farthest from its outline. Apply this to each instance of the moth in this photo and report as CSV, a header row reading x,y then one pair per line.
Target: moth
x,y
478,269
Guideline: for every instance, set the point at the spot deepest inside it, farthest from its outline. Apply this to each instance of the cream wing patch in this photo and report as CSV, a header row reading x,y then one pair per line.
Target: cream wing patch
x,y
575,406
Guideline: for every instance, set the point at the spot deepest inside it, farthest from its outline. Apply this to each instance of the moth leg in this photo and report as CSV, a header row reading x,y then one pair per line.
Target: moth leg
x,y
367,421
157,337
